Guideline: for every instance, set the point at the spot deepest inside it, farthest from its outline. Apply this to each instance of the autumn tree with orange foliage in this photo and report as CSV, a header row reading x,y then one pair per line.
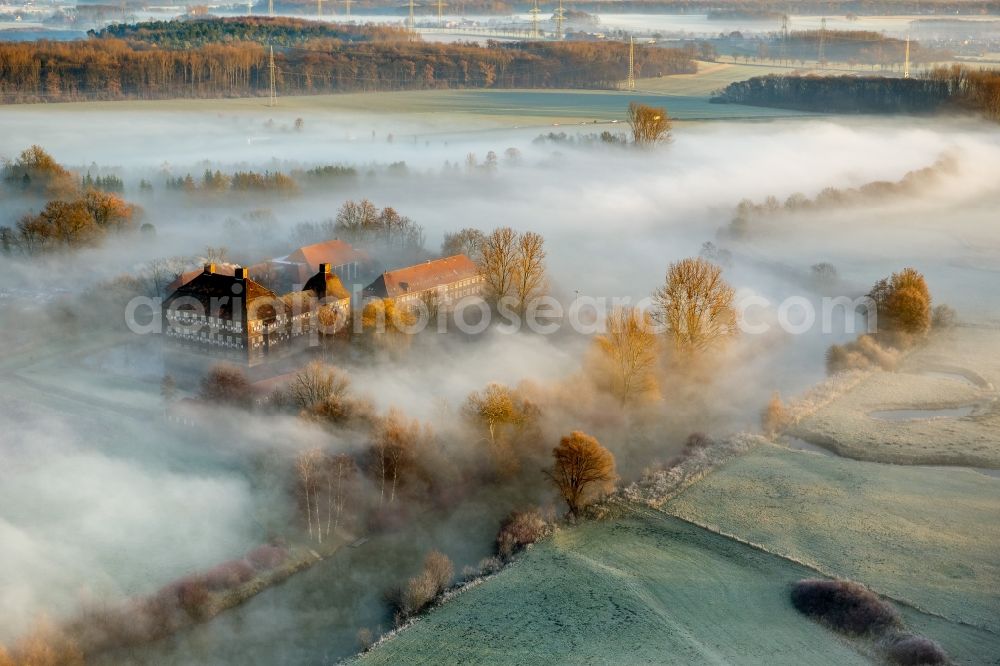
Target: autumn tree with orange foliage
x,y
628,348
903,303
695,305
650,125
582,470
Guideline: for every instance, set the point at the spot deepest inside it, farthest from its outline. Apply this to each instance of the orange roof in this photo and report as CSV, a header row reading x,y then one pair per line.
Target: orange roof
x,y
422,277
333,252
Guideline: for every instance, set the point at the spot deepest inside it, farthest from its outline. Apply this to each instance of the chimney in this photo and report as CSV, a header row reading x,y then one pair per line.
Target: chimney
x,y
209,269
324,268
242,274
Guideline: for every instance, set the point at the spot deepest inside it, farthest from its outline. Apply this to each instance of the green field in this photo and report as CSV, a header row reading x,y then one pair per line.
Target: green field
x,y
684,96
646,588
925,535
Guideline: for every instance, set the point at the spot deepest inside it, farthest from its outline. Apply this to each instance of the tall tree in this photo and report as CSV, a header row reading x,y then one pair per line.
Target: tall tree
x,y
629,347
695,305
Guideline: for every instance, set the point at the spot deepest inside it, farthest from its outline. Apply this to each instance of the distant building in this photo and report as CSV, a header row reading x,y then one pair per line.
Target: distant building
x,y
346,262
234,318
444,281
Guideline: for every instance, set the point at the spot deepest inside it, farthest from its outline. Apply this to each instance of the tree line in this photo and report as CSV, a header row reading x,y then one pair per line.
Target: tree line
x,y
273,30
939,89
107,68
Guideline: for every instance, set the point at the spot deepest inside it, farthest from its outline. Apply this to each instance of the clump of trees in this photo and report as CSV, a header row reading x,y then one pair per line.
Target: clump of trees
x,y
36,172
513,266
582,471
156,61
240,181
695,306
903,315
774,417
955,87
325,482
363,223
466,241
650,125
74,218
912,183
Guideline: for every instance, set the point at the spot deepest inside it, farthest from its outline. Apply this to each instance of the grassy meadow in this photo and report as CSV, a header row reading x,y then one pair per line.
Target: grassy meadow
x,y
646,588
924,535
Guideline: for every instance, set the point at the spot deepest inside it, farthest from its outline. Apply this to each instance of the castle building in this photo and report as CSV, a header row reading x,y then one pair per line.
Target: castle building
x,y
444,281
234,318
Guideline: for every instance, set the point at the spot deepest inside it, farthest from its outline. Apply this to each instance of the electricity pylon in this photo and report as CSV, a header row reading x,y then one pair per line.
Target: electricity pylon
x,y
270,7
440,10
534,11
347,7
784,38
821,56
630,80
560,15
249,7
906,58
409,20
319,7
273,98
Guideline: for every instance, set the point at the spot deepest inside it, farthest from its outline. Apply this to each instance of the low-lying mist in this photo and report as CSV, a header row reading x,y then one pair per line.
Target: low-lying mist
x,y
99,499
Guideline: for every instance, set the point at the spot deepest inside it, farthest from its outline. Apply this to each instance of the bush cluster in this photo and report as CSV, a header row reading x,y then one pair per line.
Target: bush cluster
x,y
844,605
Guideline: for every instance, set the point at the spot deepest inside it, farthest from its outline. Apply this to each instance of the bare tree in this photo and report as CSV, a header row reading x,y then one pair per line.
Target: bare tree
x,y
513,266
499,263
529,280
466,241
582,470
317,383
393,450
629,347
650,125
308,467
695,305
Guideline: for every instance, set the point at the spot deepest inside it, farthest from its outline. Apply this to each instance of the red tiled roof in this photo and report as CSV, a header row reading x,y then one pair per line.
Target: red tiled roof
x,y
333,252
421,277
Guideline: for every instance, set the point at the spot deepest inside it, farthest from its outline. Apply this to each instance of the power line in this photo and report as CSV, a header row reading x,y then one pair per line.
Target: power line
x,y
273,100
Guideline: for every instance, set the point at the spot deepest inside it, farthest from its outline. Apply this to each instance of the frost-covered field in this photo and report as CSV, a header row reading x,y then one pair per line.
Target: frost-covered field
x,y
925,535
643,589
959,367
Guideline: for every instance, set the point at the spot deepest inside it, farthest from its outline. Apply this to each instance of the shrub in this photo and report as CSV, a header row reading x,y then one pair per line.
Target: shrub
x,y
440,569
228,574
913,650
844,605
417,594
943,316
775,416
193,597
696,441
365,639
519,529
267,556
422,589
